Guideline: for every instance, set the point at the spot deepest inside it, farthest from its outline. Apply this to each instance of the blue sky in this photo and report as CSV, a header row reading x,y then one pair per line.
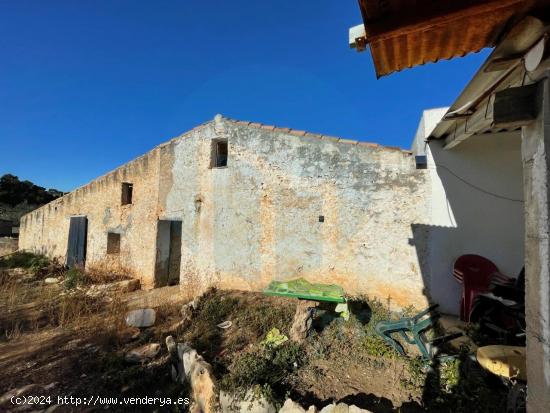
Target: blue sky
x,y
88,85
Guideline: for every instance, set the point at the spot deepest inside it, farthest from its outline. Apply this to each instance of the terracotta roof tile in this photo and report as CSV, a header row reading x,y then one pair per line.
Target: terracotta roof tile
x,y
350,141
301,133
372,145
285,130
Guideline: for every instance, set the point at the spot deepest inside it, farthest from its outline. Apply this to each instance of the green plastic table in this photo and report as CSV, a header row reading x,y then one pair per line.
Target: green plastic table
x,y
305,290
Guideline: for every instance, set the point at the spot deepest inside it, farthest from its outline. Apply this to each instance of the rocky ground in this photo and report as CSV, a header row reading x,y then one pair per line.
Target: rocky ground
x,y
85,334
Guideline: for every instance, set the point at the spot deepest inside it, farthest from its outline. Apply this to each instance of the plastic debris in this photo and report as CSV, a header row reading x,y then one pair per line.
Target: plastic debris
x,y
274,338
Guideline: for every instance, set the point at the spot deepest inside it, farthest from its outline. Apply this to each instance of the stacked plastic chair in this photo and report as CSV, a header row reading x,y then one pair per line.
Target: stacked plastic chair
x,y
475,273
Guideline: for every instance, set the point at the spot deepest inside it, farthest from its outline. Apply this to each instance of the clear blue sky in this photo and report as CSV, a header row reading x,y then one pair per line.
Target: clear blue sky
x,y
88,85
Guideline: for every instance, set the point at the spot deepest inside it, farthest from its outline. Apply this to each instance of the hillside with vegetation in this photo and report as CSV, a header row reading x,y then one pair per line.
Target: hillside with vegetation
x,y
20,197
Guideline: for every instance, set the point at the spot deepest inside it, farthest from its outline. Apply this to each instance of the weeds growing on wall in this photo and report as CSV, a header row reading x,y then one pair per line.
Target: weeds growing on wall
x,y
101,272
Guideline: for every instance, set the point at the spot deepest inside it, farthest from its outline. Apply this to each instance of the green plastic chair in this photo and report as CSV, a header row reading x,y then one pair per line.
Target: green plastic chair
x,y
412,330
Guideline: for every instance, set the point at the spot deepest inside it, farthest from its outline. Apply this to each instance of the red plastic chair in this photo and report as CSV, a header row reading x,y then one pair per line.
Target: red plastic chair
x,y
474,272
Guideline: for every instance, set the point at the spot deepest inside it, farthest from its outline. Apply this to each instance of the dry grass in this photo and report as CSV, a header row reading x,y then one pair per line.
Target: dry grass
x,y
102,272
27,304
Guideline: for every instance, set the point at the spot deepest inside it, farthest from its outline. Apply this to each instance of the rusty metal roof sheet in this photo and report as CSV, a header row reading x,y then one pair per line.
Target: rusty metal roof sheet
x,y
406,33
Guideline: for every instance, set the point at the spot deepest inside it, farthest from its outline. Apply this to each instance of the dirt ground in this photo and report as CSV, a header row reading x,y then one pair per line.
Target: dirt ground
x,y
81,354
77,346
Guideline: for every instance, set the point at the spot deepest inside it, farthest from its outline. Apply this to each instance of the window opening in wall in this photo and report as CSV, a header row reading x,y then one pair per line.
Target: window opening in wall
x,y
113,243
219,154
127,192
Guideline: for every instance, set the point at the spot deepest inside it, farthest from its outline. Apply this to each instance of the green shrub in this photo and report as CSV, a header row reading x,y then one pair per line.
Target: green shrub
x,y
266,369
39,263
73,277
450,374
417,369
24,259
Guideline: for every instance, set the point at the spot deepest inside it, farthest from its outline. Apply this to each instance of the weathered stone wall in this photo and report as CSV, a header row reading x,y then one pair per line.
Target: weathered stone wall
x,y
258,218
45,230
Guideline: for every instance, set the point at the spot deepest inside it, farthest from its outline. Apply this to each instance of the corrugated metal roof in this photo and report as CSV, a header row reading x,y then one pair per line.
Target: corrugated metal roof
x,y
406,33
517,42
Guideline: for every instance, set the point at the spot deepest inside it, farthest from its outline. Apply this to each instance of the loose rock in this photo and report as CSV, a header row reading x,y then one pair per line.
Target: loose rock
x,y
51,280
171,345
141,318
342,408
291,407
187,310
250,404
199,374
302,320
143,353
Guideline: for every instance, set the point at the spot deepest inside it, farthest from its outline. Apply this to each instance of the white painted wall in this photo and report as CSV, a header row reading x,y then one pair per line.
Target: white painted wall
x,y
465,218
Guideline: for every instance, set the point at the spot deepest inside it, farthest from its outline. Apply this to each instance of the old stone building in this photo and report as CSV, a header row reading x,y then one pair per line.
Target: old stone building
x,y
239,204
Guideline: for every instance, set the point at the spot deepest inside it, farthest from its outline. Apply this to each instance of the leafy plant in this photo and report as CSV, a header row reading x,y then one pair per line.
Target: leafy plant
x,y
450,374
72,278
24,259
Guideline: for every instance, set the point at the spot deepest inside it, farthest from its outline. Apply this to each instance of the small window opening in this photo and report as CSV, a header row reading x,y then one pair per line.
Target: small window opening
x,y
421,161
321,218
113,243
219,154
127,192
